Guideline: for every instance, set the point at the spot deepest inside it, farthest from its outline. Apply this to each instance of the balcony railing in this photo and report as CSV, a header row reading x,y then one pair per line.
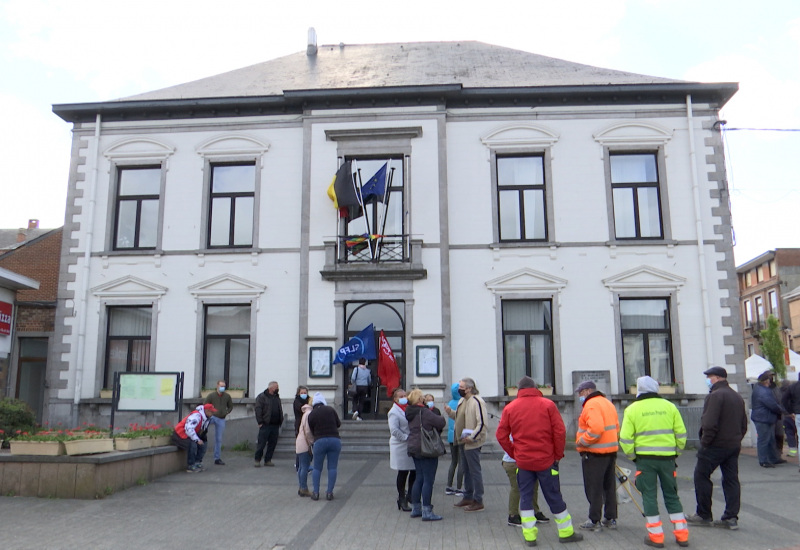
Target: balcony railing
x,y
373,249
391,257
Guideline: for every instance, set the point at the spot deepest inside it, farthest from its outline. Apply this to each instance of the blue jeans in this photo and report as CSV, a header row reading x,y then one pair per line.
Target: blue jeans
x,y
303,463
330,447
473,476
423,484
194,452
219,429
766,443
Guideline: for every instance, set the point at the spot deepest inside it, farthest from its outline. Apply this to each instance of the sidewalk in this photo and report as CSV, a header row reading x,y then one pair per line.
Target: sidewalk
x,y
240,507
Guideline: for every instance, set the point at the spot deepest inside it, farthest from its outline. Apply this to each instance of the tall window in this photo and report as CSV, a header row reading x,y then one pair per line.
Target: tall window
x,y
127,341
760,317
773,303
528,341
748,313
646,340
521,198
138,191
227,346
635,191
231,207
382,218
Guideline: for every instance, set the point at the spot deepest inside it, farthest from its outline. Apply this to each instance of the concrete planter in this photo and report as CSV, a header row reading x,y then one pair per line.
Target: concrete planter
x,y
89,446
667,389
546,391
512,392
106,394
131,443
37,448
159,441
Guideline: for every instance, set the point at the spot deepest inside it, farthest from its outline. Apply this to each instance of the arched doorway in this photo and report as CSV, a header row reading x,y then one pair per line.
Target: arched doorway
x,y
386,316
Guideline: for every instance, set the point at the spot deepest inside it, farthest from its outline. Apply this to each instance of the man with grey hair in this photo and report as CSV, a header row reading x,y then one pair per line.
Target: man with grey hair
x,y
269,415
470,431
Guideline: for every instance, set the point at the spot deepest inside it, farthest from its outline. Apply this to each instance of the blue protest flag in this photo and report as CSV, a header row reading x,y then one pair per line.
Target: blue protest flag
x,y
375,188
360,345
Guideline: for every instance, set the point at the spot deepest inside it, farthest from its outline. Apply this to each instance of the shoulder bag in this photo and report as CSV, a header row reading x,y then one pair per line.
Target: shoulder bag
x,y
431,445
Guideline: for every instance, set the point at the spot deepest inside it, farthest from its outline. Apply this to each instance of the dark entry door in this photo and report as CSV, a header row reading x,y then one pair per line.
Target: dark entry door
x,y
385,316
31,373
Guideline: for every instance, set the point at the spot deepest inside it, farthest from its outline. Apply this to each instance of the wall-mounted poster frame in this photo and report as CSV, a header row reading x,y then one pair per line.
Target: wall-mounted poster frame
x,y
319,362
427,360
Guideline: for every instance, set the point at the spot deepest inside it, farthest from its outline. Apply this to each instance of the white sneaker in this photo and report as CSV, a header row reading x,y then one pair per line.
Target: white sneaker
x,y
355,416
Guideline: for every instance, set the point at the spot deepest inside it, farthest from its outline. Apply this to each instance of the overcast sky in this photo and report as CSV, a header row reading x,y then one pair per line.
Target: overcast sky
x,y
94,50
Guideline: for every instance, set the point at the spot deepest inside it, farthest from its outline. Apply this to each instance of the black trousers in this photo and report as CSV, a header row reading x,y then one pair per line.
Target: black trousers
x,y
600,484
267,437
359,399
708,460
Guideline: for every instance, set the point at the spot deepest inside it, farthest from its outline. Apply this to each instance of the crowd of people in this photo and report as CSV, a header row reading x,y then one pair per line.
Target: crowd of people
x,y
532,435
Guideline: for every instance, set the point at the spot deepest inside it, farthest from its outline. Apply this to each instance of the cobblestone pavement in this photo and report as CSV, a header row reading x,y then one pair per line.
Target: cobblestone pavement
x,y
240,507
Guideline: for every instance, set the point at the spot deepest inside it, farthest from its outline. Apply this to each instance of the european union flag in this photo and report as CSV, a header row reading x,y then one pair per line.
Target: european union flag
x,y
360,345
375,188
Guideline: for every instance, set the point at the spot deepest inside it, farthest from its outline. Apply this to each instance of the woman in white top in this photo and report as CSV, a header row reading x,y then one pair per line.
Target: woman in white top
x,y
398,450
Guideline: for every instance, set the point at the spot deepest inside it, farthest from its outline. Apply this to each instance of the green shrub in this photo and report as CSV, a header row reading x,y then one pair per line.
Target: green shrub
x,y
15,415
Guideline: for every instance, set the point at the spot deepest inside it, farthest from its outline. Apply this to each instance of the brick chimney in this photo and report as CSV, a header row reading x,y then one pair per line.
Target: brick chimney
x,y
21,235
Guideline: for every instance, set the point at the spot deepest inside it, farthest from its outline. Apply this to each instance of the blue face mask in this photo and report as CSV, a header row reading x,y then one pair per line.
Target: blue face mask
x,y
402,401
304,396
221,389
430,404
582,399
708,383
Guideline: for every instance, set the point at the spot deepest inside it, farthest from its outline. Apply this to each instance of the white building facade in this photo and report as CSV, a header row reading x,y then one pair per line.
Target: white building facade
x,y
544,218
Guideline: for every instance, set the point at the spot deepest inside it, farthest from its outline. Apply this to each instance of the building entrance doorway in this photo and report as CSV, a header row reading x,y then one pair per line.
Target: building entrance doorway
x,y
31,371
387,316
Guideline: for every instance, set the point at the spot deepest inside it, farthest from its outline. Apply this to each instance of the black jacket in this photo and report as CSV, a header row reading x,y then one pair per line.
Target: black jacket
x,y
791,398
724,420
430,421
265,402
297,407
323,421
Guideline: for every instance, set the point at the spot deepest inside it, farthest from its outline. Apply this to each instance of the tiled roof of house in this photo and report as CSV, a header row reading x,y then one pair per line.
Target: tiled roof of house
x,y
469,64
10,239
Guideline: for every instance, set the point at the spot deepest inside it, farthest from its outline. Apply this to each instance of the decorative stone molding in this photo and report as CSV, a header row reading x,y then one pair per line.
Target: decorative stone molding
x,y
527,280
139,149
519,137
644,278
634,134
232,145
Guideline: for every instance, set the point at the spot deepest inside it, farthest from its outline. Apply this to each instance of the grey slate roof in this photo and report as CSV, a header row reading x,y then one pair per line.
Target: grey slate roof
x,y
469,64
8,237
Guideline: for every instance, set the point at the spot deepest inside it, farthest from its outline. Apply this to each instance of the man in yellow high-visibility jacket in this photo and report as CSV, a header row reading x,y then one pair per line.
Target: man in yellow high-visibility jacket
x,y
653,435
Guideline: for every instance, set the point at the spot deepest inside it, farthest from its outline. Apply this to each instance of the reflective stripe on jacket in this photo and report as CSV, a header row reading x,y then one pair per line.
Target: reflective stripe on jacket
x,y
652,426
598,426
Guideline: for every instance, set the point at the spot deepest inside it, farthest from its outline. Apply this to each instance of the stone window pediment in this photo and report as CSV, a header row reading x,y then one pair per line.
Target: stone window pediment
x,y
232,146
636,134
526,280
527,136
227,285
129,287
644,278
139,149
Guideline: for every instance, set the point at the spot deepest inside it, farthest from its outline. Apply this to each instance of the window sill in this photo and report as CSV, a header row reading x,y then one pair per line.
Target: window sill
x,y
642,242
372,272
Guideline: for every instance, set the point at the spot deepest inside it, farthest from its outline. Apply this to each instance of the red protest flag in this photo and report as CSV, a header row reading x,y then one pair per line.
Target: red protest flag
x,y
388,370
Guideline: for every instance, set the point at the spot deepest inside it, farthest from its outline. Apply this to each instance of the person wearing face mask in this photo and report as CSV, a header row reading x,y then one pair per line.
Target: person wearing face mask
x,y
430,402
398,449
224,405
596,441
471,430
300,399
269,415
722,428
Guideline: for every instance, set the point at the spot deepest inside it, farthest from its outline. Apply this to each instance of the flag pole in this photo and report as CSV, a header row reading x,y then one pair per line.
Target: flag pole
x,y
382,218
357,189
386,198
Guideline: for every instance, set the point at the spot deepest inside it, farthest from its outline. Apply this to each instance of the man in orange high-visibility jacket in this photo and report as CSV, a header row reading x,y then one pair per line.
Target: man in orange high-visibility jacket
x,y
596,441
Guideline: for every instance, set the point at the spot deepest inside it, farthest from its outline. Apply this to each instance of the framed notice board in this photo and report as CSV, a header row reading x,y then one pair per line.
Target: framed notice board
x,y
149,391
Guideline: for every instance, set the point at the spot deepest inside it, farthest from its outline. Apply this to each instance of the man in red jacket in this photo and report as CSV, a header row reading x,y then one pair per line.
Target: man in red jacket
x,y
538,443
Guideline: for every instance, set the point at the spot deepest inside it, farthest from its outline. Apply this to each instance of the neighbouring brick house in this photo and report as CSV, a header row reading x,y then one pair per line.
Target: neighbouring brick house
x,y
767,286
38,259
